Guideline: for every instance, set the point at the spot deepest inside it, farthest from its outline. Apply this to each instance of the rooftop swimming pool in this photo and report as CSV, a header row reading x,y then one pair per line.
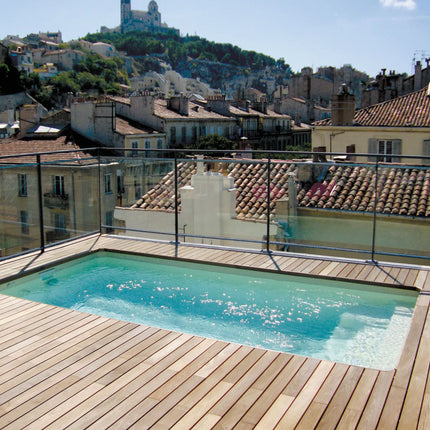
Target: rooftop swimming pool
x,y
346,322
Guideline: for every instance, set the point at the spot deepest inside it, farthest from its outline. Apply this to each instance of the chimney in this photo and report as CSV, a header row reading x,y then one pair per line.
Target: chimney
x,y
343,107
28,118
243,104
260,106
218,104
418,81
178,104
141,105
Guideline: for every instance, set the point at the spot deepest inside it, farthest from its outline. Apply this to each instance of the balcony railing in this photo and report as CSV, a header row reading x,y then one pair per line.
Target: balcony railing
x,y
56,201
283,203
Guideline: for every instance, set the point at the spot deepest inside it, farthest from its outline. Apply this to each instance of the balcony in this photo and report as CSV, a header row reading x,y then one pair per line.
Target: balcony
x,y
57,235
56,201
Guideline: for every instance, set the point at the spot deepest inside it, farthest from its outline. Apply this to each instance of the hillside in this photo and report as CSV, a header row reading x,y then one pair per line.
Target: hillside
x,y
218,64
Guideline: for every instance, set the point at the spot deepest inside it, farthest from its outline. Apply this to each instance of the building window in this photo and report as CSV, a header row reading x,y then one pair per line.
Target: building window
x,y
227,132
386,148
108,183
58,186
109,222
212,130
134,146
60,224
219,130
184,134
159,144
194,134
173,135
22,185
147,146
23,219
137,188
426,152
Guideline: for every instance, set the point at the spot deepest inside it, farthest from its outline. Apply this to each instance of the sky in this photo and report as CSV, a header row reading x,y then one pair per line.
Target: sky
x,y
368,34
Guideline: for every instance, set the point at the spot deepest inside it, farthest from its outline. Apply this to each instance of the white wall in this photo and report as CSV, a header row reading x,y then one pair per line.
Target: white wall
x,y
208,209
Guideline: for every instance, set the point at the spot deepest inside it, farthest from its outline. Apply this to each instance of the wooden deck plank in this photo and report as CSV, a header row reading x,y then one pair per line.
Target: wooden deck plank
x,y
358,400
372,411
320,267
70,386
391,277
305,396
274,392
159,402
63,368
421,279
240,407
338,400
424,421
393,407
412,276
208,401
81,408
344,273
355,272
416,389
211,375
278,409
113,405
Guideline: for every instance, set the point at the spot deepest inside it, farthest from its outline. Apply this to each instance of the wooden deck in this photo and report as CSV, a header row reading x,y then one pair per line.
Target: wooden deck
x,y
65,369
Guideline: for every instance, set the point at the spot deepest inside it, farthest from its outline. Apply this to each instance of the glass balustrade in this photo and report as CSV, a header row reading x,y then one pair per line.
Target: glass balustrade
x,y
277,202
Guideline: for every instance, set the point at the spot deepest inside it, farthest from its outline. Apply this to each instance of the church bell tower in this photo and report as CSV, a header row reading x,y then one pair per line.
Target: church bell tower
x,y
125,12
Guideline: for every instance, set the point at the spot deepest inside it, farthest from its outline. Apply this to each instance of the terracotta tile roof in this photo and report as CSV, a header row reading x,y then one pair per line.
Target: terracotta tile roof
x,y
411,110
401,191
236,111
126,127
250,182
195,111
16,147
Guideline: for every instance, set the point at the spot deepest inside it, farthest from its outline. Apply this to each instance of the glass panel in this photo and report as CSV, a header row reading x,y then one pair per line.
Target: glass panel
x,y
402,222
216,206
333,213
140,206
70,196
19,209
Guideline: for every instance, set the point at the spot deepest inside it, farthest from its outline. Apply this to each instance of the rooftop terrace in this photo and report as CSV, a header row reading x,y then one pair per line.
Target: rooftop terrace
x,y
66,369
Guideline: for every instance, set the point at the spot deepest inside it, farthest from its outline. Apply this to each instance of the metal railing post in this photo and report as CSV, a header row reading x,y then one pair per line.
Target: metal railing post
x,y
176,202
268,203
374,210
40,192
99,184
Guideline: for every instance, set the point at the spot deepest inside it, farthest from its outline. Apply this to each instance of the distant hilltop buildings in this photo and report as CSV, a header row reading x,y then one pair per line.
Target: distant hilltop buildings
x,y
136,20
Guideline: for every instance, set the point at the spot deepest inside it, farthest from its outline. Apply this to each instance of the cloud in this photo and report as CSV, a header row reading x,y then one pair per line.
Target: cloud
x,y
407,4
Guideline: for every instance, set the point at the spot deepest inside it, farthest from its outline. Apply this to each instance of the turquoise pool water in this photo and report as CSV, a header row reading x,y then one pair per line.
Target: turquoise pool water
x,y
343,322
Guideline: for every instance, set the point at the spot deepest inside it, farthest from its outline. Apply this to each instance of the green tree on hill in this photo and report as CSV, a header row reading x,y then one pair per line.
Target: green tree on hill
x,y
10,82
178,48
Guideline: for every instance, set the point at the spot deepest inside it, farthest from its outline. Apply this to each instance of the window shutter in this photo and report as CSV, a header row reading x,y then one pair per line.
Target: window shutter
x,y
426,152
397,150
373,148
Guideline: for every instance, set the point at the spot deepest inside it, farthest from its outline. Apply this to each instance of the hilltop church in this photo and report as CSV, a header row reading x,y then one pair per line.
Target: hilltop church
x,y
136,20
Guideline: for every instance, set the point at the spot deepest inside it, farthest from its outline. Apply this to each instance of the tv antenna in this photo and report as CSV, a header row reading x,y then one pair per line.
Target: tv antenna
x,y
420,55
